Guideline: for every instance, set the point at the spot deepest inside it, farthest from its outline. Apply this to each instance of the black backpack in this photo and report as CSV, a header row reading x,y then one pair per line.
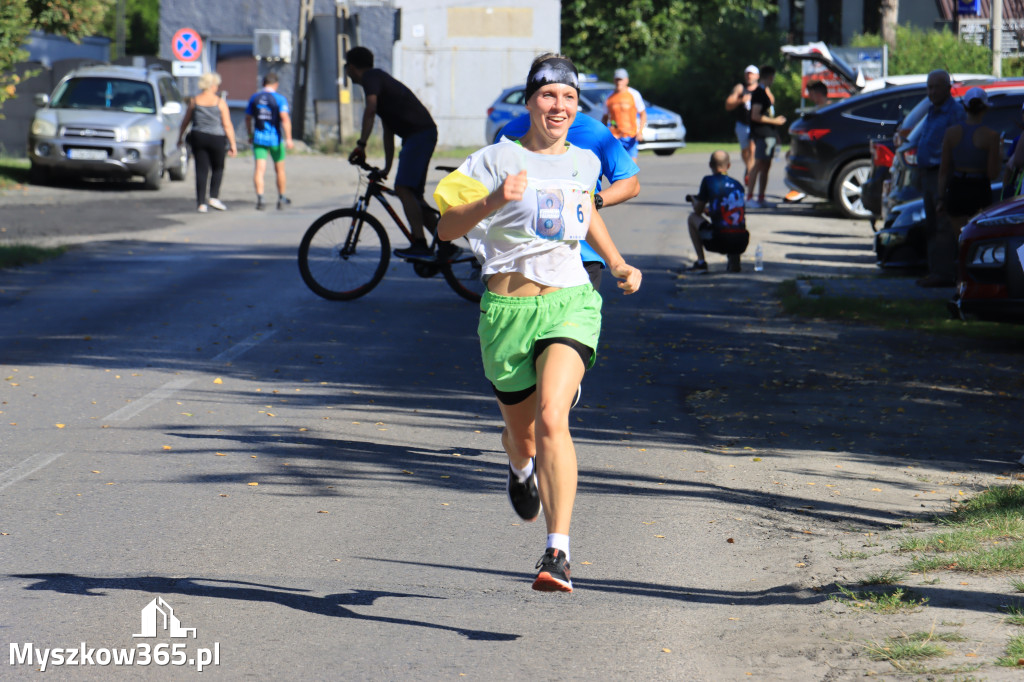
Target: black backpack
x,y
268,114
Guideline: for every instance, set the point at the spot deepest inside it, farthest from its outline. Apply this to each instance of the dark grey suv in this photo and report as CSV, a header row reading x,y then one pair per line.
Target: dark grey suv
x,y
110,121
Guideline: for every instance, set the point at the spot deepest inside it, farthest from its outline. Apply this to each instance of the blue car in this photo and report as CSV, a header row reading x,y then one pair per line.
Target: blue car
x,y
664,133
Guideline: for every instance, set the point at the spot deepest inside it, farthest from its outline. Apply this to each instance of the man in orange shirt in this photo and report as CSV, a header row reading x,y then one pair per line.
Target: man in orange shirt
x,y
625,114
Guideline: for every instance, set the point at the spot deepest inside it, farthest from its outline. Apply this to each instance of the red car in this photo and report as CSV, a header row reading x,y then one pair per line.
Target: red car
x,y
990,277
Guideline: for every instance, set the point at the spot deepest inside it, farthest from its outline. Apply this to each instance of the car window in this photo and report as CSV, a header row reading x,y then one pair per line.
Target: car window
x,y
515,97
169,91
106,93
596,96
1004,119
878,109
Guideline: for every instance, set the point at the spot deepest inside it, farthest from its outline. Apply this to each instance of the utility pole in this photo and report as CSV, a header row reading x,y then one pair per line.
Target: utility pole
x,y
997,38
302,69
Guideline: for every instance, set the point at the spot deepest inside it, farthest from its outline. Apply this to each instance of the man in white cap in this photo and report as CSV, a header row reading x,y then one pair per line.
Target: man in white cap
x,y
738,102
625,114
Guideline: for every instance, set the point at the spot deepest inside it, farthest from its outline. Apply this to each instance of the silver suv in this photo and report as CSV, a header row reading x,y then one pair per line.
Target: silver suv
x,y
110,121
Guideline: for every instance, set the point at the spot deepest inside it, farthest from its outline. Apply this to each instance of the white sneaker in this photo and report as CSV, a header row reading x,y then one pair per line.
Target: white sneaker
x,y
217,204
202,208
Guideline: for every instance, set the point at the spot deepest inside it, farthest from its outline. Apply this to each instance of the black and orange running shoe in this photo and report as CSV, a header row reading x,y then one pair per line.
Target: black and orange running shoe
x,y
554,572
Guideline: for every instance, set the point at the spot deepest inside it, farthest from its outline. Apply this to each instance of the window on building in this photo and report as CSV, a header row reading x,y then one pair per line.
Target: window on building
x,y
830,21
238,69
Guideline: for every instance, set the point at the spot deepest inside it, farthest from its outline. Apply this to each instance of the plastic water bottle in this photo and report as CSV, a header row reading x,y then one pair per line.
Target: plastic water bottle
x,y
758,258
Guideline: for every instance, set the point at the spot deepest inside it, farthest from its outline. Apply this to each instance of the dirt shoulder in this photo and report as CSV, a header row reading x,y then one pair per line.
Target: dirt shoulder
x,y
845,439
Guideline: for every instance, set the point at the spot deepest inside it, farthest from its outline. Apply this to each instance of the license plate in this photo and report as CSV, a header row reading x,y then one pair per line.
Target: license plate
x,y
87,154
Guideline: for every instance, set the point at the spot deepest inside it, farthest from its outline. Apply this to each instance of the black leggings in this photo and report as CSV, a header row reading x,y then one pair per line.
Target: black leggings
x,y
209,151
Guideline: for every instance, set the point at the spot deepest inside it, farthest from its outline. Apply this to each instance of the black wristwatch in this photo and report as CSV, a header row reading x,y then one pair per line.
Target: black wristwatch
x,y
598,201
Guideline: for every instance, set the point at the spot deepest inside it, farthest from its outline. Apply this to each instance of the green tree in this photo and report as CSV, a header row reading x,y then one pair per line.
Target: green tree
x,y
72,18
685,55
142,26
604,34
919,51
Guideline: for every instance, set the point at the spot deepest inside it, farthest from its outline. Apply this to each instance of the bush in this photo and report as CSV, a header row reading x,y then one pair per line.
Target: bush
x,y
920,51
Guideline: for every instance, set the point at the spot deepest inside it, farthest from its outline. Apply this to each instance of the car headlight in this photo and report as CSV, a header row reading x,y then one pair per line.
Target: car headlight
x,y
44,128
138,134
908,217
988,255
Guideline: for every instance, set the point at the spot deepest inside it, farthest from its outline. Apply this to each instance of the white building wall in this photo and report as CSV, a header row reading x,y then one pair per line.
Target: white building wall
x,y
457,57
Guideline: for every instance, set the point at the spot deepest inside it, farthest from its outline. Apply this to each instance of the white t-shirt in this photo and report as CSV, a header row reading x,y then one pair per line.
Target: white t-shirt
x,y
538,236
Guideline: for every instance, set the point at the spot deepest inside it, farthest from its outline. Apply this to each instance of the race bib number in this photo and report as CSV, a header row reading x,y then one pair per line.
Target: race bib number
x,y
563,212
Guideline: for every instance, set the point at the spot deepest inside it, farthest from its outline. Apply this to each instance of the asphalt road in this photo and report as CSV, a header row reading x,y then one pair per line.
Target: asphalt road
x,y
318,488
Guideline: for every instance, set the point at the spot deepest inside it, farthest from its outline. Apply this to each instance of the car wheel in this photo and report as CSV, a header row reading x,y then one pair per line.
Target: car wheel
x,y
179,170
848,189
665,152
152,178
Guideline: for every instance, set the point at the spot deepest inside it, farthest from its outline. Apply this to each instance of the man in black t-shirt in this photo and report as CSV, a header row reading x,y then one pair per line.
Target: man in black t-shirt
x,y
402,114
764,126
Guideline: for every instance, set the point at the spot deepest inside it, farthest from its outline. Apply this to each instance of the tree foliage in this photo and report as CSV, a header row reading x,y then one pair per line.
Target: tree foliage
x,y
685,55
142,26
72,18
603,34
919,51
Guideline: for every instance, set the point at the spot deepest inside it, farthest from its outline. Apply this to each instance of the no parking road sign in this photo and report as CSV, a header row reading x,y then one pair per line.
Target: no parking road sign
x,y
186,45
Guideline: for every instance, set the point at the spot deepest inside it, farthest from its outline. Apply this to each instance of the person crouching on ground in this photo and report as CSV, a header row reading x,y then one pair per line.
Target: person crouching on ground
x,y
525,205
720,198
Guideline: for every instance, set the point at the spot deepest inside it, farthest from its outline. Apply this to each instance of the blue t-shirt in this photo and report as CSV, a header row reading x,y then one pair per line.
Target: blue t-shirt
x,y
587,133
723,197
266,132
933,129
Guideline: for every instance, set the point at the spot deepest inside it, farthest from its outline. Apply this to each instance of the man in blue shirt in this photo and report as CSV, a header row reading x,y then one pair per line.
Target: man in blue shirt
x,y
943,113
616,165
270,131
725,228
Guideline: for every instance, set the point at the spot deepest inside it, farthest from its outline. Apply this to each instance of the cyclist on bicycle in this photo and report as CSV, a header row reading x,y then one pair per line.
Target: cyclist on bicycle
x,y
402,114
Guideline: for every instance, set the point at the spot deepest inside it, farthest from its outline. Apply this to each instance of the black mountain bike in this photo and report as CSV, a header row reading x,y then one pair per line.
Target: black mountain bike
x,y
345,252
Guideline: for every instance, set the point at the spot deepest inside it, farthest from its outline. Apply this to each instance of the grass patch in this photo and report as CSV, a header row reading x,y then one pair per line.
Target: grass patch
x,y
17,255
1014,614
1014,653
885,578
891,600
986,534
849,554
1017,584
13,171
919,315
915,646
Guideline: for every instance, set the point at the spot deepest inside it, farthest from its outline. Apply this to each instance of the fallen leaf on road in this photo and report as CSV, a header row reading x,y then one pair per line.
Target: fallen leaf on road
x,y
167,447
254,484
218,380
730,541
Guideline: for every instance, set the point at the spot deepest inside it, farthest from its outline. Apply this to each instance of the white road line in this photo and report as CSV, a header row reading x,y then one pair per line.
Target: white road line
x,y
148,400
175,385
27,467
37,462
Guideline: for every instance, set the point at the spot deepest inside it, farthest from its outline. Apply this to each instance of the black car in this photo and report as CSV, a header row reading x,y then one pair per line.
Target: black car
x,y
829,155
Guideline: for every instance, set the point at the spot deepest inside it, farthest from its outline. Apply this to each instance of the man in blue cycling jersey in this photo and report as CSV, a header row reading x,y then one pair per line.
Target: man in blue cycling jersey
x,y
616,165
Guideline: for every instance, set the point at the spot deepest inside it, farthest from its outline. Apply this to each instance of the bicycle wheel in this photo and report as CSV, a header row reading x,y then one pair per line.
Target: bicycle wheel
x,y
463,274
344,254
